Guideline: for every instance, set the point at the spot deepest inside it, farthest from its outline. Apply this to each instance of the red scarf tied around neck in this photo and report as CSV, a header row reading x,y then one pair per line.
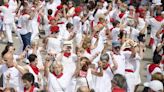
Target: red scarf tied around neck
x,y
35,69
57,76
67,54
31,89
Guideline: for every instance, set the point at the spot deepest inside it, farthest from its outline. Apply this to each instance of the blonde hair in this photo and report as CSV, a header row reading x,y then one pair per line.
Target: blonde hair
x,y
56,63
87,40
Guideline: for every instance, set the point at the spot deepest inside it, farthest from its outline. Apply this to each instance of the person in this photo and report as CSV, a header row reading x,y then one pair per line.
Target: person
x,y
28,82
119,83
104,82
83,74
119,57
154,85
154,67
8,20
9,68
57,80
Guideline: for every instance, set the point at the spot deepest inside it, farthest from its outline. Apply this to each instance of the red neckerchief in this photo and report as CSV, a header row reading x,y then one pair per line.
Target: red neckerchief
x,y
99,23
66,54
116,89
106,67
75,15
88,50
111,29
35,69
49,17
152,67
31,89
56,13
121,15
6,5
158,18
57,76
60,23
91,23
82,73
39,19
112,20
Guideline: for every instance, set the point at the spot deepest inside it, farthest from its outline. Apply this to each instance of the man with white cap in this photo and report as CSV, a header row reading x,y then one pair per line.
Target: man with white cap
x,y
154,86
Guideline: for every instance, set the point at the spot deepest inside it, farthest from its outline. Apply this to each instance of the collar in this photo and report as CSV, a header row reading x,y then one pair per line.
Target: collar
x,y
31,89
35,69
57,76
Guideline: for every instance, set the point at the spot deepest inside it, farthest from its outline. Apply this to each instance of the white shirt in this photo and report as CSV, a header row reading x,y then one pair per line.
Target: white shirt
x,y
55,44
120,60
23,23
52,6
59,84
103,84
15,77
115,33
8,16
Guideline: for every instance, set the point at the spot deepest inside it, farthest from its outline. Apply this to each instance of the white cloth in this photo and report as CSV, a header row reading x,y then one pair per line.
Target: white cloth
x,y
23,24
82,81
103,84
59,84
120,59
55,44
15,77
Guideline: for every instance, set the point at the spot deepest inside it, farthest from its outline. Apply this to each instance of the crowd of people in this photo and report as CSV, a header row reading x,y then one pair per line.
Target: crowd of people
x,y
92,46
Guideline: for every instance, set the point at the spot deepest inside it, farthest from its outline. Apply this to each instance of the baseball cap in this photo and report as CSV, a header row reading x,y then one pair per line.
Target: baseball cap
x,y
154,85
116,43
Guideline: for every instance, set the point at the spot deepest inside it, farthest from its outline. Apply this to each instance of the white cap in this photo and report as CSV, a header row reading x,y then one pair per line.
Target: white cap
x,y
157,2
154,85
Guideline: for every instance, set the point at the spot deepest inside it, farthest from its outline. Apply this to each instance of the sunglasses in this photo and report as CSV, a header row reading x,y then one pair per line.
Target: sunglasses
x,y
117,47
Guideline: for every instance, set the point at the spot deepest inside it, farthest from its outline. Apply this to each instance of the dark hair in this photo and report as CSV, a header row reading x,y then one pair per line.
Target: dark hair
x,y
115,23
157,58
9,89
120,81
104,57
69,25
49,11
32,57
6,49
29,77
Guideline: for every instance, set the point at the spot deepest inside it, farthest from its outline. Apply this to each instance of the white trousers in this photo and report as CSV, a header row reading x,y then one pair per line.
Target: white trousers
x,y
8,29
130,77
